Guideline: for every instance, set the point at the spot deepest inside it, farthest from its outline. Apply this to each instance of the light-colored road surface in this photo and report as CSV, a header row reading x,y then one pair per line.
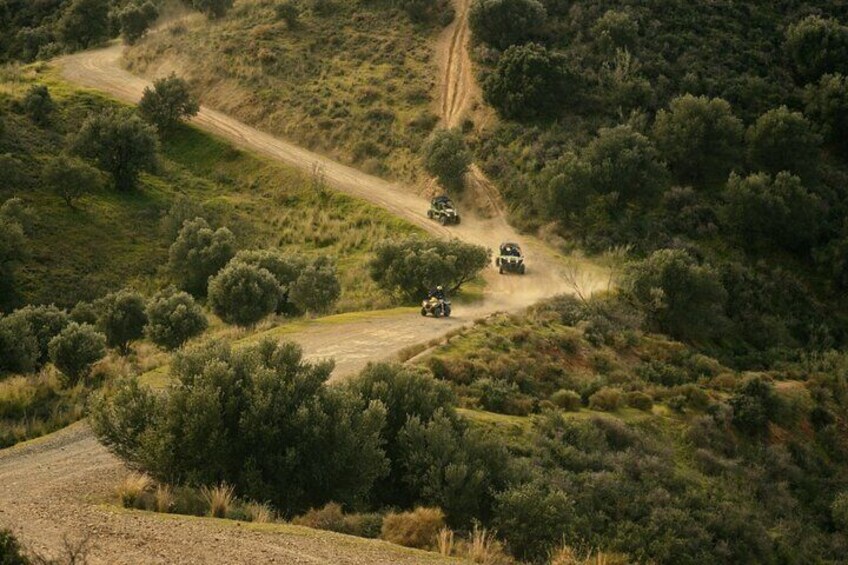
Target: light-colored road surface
x,y
56,486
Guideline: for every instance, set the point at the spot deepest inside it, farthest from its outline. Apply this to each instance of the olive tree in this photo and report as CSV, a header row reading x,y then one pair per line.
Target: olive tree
x,y
447,158
71,178
700,138
529,82
84,23
827,104
243,294
414,265
817,46
167,103
783,140
198,253
135,19
120,143
75,349
502,23
38,104
121,317
173,318
317,287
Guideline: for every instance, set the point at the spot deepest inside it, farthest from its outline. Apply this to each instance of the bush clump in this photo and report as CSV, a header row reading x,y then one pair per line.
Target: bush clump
x,y
173,318
418,528
75,349
568,400
607,399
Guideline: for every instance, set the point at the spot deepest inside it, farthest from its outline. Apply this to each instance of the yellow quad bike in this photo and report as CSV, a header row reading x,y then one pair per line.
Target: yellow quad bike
x,y
436,307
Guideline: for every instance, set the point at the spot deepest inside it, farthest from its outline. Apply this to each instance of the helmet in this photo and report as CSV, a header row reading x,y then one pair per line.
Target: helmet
x,y
439,287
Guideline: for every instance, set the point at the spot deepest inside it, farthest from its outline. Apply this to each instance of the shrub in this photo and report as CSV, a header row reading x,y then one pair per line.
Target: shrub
x,y
700,137
19,351
783,140
817,46
639,400
259,418
168,103
678,296
288,12
71,179
219,499
447,158
121,317
173,318
533,518
317,287
414,265
364,524
198,253
75,349
38,105
120,143
528,82
84,313
44,322
418,528
753,406
502,23
498,395
568,400
827,103
242,294
135,19
131,489
330,517
606,399
164,498
259,512
84,23
11,552
839,511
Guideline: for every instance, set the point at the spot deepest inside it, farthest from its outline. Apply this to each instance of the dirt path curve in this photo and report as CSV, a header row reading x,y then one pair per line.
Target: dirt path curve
x,y
57,486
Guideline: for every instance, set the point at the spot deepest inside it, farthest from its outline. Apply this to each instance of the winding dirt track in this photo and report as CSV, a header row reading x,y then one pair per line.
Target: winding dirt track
x,y
56,486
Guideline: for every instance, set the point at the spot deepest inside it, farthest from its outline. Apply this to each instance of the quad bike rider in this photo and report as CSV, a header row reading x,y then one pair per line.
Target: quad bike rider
x,y
443,210
436,304
510,259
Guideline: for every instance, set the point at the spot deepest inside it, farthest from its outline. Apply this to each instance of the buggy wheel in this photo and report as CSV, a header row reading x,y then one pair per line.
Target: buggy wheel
x,y
456,221
423,311
500,270
443,220
521,270
447,311
430,214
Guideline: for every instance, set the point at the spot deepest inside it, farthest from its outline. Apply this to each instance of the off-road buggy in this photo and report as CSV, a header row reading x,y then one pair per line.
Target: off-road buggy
x,y
510,259
436,307
443,211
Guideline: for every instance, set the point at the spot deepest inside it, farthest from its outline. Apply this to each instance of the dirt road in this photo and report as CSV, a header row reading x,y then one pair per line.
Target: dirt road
x,y
458,88
57,486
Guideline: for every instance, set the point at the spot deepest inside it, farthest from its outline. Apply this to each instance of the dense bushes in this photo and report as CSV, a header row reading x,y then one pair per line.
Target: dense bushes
x,y
413,266
447,158
817,46
243,294
121,317
259,418
505,22
75,349
198,253
173,318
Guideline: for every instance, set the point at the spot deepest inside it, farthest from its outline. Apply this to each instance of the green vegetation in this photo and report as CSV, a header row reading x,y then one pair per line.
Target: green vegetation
x,y
75,349
447,158
351,80
413,266
167,103
173,318
243,294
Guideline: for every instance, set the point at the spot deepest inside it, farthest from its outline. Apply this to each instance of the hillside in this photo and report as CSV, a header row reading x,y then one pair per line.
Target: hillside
x,y
353,81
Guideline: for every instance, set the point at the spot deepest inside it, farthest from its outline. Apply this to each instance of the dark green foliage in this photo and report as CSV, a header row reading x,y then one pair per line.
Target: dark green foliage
x,y
502,23
19,351
243,294
258,418
288,12
173,318
213,9
839,511
84,313
198,253
678,296
763,211
317,287
135,19
13,248
168,103
754,406
615,30
120,143
817,46
121,317
529,82
414,265
75,349
44,322
84,23
700,138
782,140
38,105
286,269
11,552
827,104
533,518
447,158
71,178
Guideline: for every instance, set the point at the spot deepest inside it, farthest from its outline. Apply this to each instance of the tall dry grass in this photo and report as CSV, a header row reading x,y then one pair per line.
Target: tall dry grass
x,y
444,542
219,499
567,555
164,498
129,490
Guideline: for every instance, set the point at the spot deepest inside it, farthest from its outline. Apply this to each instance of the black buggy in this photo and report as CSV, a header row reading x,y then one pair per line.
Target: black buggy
x,y
510,259
443,211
